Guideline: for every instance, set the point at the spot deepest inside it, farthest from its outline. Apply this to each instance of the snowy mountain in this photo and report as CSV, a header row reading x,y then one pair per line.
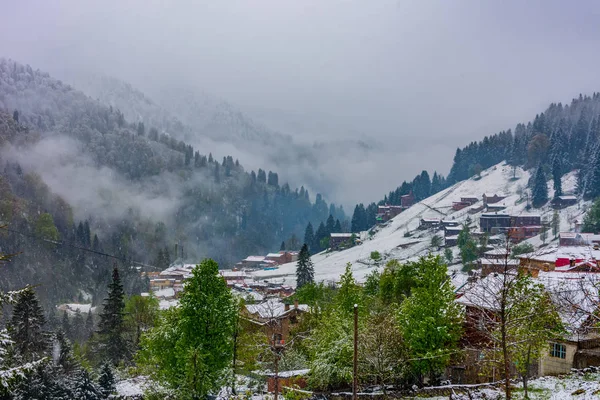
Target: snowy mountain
x,y
401,239
210,123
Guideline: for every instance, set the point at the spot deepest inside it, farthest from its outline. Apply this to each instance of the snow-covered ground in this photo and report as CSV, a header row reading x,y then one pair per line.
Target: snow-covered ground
x,y
72,308
579,385
391,242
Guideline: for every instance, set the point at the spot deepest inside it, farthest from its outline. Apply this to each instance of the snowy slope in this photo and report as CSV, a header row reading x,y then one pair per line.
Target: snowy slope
x,y
390,240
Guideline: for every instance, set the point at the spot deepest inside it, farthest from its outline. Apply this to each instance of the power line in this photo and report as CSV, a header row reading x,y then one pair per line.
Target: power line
x,y
68,244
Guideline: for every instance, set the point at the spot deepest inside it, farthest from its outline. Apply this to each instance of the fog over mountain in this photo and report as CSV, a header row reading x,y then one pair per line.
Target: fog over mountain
x,y
412,79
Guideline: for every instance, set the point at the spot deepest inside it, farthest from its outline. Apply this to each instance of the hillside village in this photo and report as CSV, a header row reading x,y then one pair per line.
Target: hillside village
x,y
494,205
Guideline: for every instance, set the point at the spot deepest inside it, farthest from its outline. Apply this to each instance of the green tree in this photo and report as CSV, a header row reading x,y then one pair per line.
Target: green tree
x,y
430,320
436,241
539,193
111,327
26,327
305,271
192,346
349,293
141,314
591,221
45,228
535,321
448,255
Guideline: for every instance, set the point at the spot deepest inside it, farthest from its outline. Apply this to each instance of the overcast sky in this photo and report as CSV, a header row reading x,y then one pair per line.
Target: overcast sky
x,y
409,73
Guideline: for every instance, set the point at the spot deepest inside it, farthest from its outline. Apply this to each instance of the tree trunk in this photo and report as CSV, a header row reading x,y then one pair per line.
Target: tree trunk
x,y
526,396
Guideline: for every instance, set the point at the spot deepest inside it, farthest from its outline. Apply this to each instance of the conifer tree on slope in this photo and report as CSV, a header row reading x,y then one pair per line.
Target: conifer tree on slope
x,y
85,388
106,380
111,326
26,327
539,194
556,175
305,272
309,235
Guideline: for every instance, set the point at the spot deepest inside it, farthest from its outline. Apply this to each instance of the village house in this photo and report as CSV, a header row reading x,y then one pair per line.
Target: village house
x,y
496,265
427,223
564,201
493,223
495,207
338,241
469,199
520,233
450,241
526,220
387,212
275,317
578,239
253,261
561,259
296,378
492,198
449,222
576,300
459,205
452,230
408,200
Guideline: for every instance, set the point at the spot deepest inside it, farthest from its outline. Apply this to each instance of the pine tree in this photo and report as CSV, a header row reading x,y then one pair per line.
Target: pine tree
x,y
305,272
555,224
16,116
66,325
111,326
26,328
330,225
106,380
309,237
78,327
85,388
338,226
320,235
556,177
539,194
63,353
282,247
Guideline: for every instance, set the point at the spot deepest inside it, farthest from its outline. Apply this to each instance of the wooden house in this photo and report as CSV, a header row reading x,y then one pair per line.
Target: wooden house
x,y
275,317
494,222
492,198
340,240
564,201
408,200
427,223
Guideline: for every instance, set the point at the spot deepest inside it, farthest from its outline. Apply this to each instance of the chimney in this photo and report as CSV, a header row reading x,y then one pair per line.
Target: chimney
x,y
296,303
286,307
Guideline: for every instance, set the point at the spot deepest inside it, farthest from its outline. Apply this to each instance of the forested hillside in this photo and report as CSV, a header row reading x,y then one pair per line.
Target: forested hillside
x,y
145,195
562,138
206,121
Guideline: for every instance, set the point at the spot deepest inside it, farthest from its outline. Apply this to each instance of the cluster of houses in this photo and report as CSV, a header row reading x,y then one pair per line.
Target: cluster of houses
x,y
267,304
387,212
271,260
570,274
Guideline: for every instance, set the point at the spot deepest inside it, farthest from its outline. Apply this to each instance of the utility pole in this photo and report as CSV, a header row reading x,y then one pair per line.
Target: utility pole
x,y
276,375
355,372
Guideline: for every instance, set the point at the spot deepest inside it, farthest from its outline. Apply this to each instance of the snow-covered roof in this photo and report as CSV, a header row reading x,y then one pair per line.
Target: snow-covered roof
x,y
583,236
575,295
341,235
430,219
164,293
500,262
274,255
72,308
229,273
272,308
495,214
288,374
493,195
496,252
567,197
254,259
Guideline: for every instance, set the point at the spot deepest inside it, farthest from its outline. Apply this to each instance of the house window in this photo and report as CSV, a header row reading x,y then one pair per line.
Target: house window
x,y
558,350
